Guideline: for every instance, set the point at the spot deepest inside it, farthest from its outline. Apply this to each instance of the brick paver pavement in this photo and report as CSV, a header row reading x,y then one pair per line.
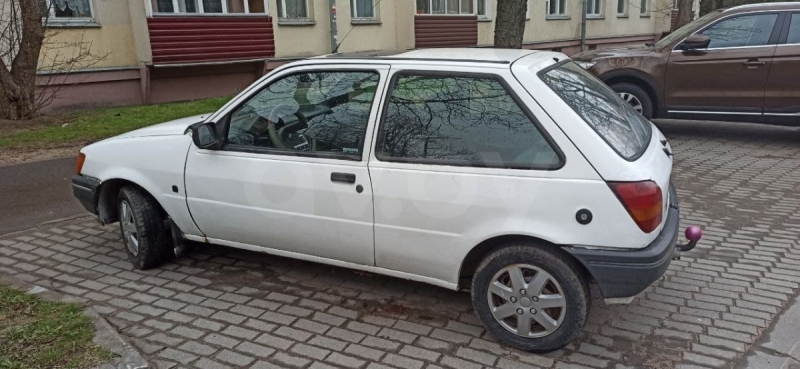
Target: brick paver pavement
x,y
224,307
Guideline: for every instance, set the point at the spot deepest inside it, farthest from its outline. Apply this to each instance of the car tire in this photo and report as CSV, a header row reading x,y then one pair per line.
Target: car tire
x,y
145,235
564,278
631,94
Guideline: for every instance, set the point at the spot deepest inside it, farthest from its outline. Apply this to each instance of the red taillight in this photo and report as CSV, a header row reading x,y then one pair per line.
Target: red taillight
x,y
642,200
79,163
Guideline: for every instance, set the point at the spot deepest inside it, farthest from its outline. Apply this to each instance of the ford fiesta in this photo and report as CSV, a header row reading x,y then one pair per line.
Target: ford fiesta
x,y
513,174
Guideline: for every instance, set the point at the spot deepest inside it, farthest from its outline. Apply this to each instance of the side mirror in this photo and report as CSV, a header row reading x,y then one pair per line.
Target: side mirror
x,y
205,136
694,42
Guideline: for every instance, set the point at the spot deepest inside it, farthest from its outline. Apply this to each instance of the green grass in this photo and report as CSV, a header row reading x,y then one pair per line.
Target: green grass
x,y
35,333
97,124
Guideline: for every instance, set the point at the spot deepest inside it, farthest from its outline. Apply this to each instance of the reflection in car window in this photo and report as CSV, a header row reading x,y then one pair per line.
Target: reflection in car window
x,y
684,31
746,30
314,111
625,130
461,121
794,30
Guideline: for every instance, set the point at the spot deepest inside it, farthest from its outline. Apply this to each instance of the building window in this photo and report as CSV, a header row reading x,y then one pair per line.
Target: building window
x,y
644,8
556,8
210,6
622,8
362,9
594,8
452,7
483,8
293,9
66,9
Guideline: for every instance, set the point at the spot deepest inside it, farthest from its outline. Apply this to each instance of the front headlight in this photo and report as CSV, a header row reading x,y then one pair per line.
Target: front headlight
x,y
586,64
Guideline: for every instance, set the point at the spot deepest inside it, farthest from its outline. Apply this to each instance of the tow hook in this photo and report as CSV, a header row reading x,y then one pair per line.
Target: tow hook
x,y
693,234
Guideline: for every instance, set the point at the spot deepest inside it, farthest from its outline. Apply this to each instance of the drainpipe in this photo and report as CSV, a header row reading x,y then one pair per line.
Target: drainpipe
x,y
583,25
334,37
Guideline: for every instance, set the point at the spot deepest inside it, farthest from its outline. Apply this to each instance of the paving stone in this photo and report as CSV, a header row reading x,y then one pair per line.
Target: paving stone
x,y
230,357
423,354
220,340
402,361
176,355
198,348
255,350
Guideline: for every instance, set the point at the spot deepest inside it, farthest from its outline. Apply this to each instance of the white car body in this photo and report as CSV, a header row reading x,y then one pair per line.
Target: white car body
x,y
415,221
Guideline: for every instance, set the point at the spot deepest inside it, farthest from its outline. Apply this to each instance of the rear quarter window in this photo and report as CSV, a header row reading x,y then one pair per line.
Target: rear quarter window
x,y
625,130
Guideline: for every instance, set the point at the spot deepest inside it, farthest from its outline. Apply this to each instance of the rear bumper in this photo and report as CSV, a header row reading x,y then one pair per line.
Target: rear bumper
x,y
626,273
85,190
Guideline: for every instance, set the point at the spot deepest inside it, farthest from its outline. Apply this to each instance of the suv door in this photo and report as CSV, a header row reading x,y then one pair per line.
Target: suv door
x,y
782,97
730,75
292,175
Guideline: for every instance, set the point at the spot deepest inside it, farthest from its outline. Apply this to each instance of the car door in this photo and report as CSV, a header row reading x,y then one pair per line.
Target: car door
x,y
292,175
730,75
782,93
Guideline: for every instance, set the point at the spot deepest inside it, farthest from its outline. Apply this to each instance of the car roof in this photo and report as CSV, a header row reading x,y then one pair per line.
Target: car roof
x,y
501,58
764,6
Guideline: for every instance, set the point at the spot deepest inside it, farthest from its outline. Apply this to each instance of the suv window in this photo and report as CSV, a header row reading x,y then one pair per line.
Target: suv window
x,y
745,30
461,120
794,30
625,130
307,112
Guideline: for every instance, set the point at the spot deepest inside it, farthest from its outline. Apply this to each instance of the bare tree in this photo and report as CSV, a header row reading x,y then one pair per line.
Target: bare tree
x,y
684,13
27,49
510,23
21,40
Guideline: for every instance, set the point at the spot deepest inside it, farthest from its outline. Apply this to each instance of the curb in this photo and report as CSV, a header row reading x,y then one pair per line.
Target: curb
x,y
127,357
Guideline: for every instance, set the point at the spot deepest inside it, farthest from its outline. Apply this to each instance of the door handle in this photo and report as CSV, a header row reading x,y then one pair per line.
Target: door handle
x,y
754,63
343,177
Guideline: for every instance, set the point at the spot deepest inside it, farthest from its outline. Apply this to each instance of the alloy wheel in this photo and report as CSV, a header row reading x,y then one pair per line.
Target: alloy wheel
x,y
129,231
527,301
632,100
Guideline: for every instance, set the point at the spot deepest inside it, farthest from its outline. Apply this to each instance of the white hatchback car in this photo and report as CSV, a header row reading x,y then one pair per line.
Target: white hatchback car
x,y
511,173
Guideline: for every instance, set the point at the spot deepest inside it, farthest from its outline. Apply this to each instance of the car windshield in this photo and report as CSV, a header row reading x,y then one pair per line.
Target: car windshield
x,y
685,31
625,130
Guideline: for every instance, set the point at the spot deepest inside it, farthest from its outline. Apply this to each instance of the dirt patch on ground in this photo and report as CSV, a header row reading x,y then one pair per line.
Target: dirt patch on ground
x,y
21,155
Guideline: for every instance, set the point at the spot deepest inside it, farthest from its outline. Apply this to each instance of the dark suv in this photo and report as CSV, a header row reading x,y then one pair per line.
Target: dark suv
x,y
739,64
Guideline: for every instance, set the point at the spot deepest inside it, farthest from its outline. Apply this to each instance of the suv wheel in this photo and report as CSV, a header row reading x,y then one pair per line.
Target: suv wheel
x,y
530,298
147,240
636,97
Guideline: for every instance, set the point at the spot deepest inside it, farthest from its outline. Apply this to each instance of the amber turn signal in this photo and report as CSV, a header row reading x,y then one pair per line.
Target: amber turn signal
x,y
79,162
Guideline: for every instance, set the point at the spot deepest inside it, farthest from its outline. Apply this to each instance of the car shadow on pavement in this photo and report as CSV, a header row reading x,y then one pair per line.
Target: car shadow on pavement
x,y
730,131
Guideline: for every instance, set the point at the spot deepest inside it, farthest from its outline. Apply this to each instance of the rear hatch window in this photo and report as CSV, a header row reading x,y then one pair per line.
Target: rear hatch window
x,y
625,130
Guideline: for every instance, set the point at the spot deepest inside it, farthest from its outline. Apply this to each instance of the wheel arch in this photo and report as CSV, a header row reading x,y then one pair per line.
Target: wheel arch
x,y
639,79
474,257
108,193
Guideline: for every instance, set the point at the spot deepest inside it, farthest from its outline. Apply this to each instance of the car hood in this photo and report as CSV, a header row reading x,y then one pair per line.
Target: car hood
x,y
173,127
621,52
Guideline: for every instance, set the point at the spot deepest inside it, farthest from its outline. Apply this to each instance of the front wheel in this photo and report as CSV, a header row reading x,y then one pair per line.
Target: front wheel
x,y
530,298
636,97
147,240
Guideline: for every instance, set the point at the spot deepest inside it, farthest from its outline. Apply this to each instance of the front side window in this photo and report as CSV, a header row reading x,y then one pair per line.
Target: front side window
x,y
745,30
65,9
625,130
297,9
315,112
594,8
453,7
556,8
460,121
794,30
363,8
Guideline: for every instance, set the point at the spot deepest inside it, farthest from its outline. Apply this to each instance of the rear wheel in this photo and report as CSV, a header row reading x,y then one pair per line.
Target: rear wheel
x,y
530,298
636,97
147,239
